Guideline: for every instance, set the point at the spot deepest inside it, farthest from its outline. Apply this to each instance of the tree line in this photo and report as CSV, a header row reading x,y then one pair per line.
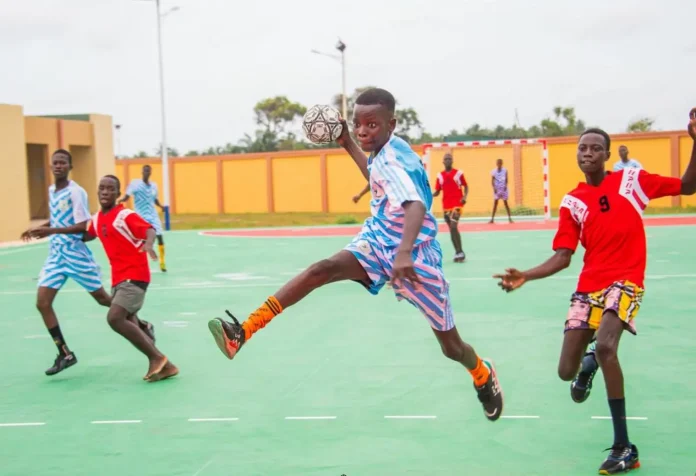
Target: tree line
x,y
278,119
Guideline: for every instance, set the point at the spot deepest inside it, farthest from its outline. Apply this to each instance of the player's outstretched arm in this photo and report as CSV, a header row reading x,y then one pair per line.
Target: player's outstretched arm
x,y
688,186
357,198
513,278
44,231
358,156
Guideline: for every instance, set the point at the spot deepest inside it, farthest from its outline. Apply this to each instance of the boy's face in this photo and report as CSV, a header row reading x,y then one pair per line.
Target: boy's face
x,y
447,161
592,153
108,192
499,163
147,171
623,152
372,126
60,166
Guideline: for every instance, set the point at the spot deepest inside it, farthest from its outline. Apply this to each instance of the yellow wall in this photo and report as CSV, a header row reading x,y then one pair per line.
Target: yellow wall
x,y
101,152
344,181
84,173
297,184
37,180
14,196
196,187
245,186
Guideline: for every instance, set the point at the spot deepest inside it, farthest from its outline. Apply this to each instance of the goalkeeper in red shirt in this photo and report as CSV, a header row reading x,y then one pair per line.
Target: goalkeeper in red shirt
x,y
450,182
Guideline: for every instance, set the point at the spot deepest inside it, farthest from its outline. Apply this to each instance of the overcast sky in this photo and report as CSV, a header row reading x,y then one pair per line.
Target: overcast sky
x,y
455,61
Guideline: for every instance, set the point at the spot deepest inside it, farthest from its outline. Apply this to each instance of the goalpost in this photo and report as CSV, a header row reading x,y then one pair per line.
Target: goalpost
x,y
527,164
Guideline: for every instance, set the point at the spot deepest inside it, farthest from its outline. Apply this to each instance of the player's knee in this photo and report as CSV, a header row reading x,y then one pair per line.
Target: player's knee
x,y
322,271
605,351
567,372
115,320
43,304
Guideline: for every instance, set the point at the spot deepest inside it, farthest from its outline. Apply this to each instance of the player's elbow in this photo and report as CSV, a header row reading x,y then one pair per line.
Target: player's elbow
x,y
688,187
563,258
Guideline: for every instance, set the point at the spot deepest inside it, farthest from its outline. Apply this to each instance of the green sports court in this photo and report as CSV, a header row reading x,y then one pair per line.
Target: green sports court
x,y
344,383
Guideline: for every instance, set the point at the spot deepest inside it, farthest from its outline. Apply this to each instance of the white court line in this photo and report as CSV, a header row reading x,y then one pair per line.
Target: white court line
x,y
627,418
410,417
212,419
203,467
37,337
521,417
310,417
21,424
114,422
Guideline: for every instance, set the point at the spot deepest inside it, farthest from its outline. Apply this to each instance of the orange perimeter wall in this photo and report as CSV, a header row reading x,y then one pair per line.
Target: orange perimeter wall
x,y
326,181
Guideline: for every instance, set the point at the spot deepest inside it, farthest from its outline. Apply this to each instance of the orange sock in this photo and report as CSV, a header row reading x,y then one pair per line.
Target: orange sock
x,y
262,316
480,373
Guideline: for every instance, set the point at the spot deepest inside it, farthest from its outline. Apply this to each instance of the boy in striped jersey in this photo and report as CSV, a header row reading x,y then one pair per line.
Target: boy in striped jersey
x,y
397,245
144,193
68,256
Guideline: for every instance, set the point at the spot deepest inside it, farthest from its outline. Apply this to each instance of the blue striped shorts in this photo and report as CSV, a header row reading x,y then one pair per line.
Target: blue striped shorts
x,y
431,298
73,261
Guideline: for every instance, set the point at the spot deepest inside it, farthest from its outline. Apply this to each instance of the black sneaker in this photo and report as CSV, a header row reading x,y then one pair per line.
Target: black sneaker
x,y
490,394
581,387
622,459
62,362
148,329
229,337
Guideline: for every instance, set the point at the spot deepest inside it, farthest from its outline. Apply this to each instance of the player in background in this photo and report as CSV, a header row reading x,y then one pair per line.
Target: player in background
x,y
499,181
450,183
397,245
144,193
68,256
605,216
127,240
625,161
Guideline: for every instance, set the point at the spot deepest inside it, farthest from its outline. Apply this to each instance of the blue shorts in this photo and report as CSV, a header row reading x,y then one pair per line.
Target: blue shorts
x,y
432,299
73,261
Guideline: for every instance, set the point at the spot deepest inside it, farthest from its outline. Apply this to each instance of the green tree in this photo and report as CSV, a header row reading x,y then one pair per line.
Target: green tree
x,y
276,116
643,124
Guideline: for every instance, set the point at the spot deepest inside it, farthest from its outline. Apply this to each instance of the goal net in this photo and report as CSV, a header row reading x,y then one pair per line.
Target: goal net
x,y
527,165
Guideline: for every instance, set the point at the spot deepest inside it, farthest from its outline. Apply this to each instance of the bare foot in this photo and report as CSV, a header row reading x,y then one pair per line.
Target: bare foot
x,y
156,366
169,370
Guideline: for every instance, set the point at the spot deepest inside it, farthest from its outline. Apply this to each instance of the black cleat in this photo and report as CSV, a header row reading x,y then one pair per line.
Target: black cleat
x,y
61,363
229,337
622,459
582,385
490,394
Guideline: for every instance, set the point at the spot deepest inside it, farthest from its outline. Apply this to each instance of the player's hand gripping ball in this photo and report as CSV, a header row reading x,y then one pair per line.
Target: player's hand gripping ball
x,y
322,124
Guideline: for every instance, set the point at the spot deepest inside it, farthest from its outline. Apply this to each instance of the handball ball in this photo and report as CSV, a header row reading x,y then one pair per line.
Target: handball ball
x,y
322,124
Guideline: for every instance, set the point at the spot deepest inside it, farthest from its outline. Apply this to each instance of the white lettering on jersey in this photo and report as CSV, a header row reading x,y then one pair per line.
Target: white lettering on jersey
x,y
577,208
631,190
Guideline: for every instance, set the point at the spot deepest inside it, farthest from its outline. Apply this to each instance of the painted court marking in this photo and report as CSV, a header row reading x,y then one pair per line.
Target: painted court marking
x,y
410,417
3,425
310,417
212,419
114,422
521,417
627,418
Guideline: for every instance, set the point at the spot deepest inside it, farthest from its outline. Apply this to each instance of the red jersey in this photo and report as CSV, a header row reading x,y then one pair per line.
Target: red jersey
x,y
608,221
122,233
451,183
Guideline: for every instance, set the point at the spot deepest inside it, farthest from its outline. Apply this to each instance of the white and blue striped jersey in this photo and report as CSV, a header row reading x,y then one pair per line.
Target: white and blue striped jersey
x,y
67,207
144,196
630,163
397,175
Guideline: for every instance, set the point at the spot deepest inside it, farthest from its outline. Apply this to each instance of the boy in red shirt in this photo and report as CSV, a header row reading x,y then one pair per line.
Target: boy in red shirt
x,y
127,240
605,216
450,183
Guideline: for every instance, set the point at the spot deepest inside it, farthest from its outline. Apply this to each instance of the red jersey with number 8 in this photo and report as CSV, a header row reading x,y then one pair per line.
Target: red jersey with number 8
x,y
608,221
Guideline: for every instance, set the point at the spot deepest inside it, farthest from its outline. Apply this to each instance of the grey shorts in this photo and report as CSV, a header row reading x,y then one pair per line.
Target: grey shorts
x,y
129,296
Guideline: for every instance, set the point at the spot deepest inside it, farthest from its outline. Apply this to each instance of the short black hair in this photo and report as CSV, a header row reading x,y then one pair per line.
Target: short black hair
x,y
118,182
375,96
65,152
147,166
596,130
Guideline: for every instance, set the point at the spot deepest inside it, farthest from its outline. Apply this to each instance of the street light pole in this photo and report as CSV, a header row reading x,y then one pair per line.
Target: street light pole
x,y
165,157
340,46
